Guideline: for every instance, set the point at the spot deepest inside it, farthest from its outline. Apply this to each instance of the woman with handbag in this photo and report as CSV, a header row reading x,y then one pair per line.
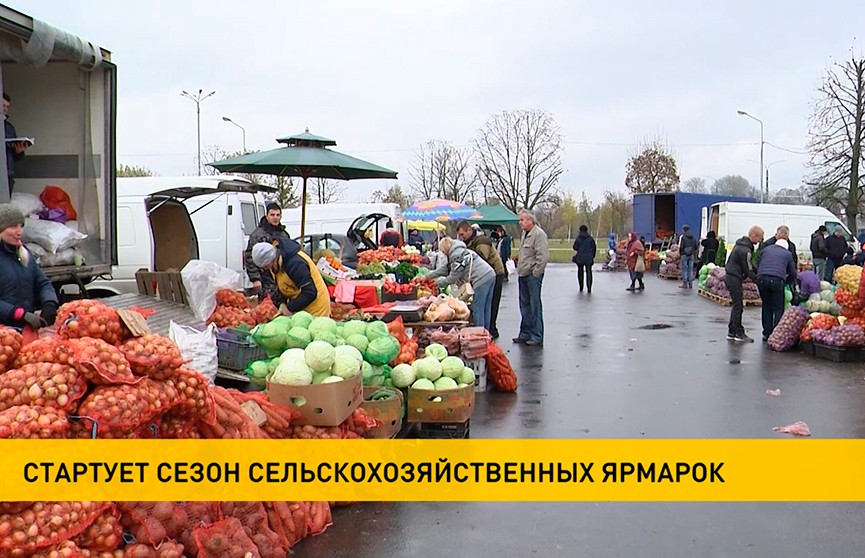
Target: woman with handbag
x,y
475,277
636,262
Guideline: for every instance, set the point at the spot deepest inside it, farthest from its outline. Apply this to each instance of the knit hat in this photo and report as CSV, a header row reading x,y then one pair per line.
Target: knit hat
x,y
263,254
10,216
782,243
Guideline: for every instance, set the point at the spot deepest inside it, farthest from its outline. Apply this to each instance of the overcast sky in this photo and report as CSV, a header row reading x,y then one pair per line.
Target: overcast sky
x,y
383,77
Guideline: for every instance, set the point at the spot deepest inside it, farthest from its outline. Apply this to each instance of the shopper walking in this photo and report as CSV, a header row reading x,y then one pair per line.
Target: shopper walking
x,y
776,269
636,262
687,249
584,256
532,262
483,246
740,267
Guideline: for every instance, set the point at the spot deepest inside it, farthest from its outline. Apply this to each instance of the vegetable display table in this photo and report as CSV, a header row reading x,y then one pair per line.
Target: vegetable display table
x,y
365,293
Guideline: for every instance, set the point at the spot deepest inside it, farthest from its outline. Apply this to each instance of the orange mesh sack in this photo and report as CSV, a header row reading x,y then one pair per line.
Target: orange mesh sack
x,y
224,539
264,312
117,410
65,549
231,420
229,297
281,522
45,524
318,517
167,549
155,356
14,507
198,514
89,318
253,517
10,345
42,385
54,350
26,421
104,534
279,417
153,522
193,395
175,425
499,369
359,422
100,363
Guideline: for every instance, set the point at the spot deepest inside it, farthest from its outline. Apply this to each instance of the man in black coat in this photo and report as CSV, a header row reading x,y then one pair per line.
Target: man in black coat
x,y
739,268
270,229
783,233
836,246
585,248
819,253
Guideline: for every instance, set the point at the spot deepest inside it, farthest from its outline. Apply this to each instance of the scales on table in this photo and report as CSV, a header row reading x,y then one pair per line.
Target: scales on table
x,y
409,311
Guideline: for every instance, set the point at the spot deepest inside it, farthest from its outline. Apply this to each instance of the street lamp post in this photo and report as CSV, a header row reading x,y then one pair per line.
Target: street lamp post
x,y
762,193
197,99
242,129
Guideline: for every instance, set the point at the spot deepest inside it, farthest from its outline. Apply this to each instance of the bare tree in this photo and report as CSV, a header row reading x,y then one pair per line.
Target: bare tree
x,y
394,194
695,185
616,213
132,170
837,133
790,196
519,157
652,170
325,190
441,170
735,185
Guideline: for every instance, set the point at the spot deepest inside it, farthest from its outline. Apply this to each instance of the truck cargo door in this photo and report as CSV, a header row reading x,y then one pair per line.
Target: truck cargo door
x,y
172,232
644,216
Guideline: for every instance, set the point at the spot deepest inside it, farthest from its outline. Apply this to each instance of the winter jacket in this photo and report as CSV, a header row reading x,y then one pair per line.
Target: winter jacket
x,y
299,281
634,249
837,247
585,248
611,242
505,248
534,253
11,156
464,265
416,240
739,263
710,249
688,245
777,262
485,249
264,233
21,286
818,246
790,246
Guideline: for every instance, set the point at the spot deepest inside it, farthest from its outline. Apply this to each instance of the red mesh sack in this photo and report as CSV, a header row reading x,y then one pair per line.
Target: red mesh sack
x,y
153,355
318,517
309,432
152,523
847,299
281,522
499,369
229,316
821,321
10,345
42,385
193,395
264,312
45,524
50,349
198,514
55,197
175,425
26,421
89,318
104,534
231,421
279,417
168,549
14,507
228,297
253,517
123,408
65,549
100,363
359,422
224,539
397,329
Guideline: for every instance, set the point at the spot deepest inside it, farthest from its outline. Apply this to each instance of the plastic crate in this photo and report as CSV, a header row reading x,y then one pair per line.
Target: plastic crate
x,y
235,350
839,354
442,430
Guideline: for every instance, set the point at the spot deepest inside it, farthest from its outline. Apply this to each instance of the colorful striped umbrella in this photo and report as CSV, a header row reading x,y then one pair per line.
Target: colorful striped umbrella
x,y
440,210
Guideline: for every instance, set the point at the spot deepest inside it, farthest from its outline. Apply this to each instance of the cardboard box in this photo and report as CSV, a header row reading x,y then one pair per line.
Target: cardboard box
x,y
456,405
388,411
321,404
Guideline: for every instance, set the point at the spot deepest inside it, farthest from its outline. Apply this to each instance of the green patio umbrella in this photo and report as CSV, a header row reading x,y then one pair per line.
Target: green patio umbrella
x,y
304,155
495,215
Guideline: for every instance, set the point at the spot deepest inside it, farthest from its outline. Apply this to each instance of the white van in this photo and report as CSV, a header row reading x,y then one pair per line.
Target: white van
x,y
163,222
731,221
333,217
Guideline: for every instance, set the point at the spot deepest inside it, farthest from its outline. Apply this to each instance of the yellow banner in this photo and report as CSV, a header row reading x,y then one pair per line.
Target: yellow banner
x,y
434,470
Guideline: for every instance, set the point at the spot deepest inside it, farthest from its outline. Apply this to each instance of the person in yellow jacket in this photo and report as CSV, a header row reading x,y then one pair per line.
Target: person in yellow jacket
x,y
297,279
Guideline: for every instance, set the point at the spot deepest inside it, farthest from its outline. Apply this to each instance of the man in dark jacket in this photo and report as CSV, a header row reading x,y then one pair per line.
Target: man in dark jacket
x,y
688,247
415,239
782,233
585,248
14,149
738,269
819,253
504,248
485,249
269,230
776,269
23,286
836,246
710,246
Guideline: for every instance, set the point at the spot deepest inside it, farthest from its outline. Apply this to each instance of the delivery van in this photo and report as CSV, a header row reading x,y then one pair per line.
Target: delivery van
x,y
163,222
731,221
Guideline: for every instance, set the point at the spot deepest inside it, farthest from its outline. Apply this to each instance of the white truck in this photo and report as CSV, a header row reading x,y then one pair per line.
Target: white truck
x,y
163,222
63,93
731,221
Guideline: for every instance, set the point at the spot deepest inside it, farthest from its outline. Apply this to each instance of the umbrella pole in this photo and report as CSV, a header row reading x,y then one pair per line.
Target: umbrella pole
x,y
303,208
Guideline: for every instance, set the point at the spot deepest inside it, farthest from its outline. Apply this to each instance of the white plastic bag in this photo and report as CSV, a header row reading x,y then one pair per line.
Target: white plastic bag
x,y
47,259
54,237
199,347
26,203
512,267
202,279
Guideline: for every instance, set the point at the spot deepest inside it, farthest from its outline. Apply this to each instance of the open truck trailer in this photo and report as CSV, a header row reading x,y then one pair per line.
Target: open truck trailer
x,y
64,95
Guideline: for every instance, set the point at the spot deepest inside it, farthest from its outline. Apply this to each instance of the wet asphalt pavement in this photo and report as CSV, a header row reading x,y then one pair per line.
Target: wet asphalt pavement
x,y
602,375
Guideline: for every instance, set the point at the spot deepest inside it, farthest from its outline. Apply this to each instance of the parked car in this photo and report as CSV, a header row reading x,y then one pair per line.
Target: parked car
x,y
339,244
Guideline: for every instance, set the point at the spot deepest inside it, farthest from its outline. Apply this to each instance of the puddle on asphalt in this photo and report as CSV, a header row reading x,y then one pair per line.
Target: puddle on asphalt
x,y
656,326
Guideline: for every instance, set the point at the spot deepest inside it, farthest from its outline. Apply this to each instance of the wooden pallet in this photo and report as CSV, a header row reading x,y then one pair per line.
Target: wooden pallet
x,y
726,301
669,277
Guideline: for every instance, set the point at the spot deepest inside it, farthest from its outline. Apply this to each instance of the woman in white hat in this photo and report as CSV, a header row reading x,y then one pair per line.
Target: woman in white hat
x,y
296,276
